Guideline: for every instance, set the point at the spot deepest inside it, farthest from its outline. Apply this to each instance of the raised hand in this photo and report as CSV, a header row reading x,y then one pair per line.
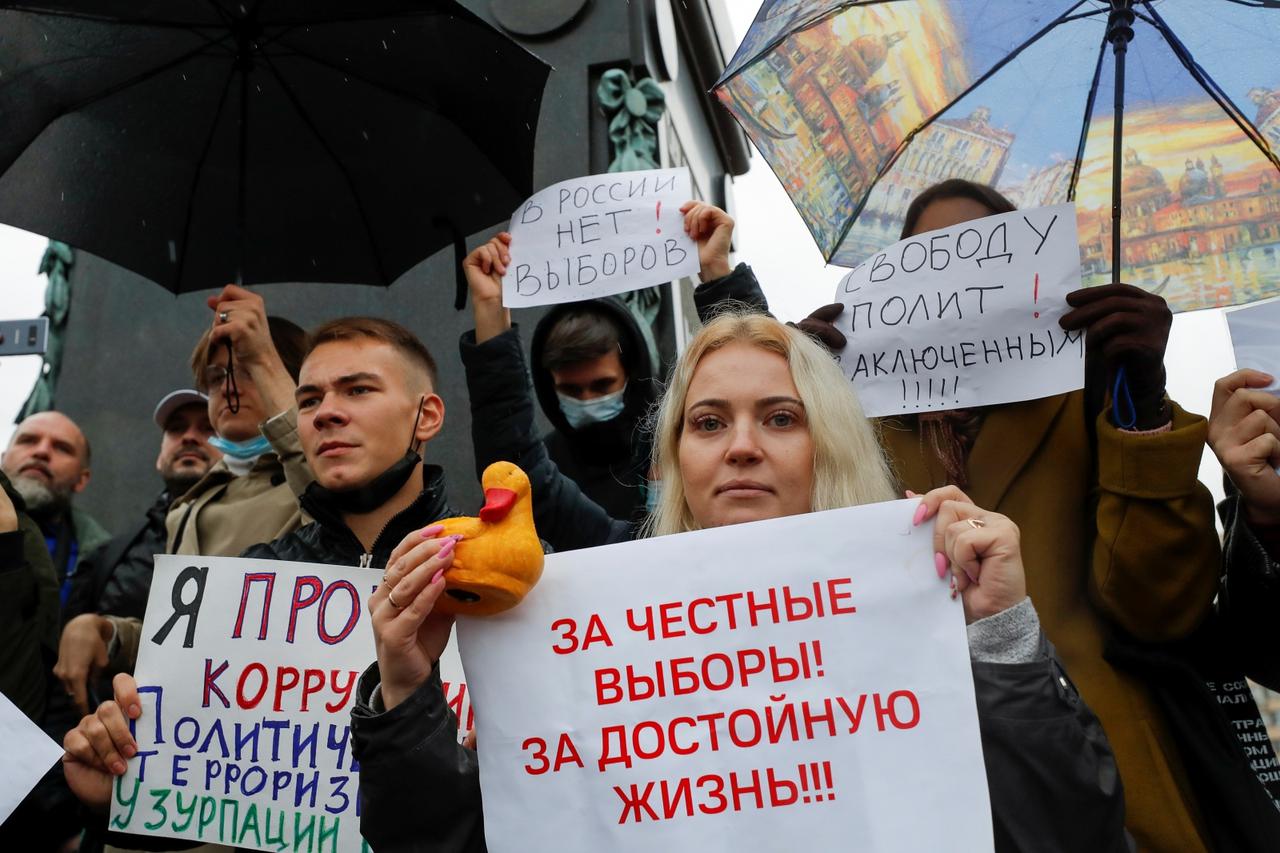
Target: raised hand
x,y
240,316
1125,326
712,229
1244,433
484,269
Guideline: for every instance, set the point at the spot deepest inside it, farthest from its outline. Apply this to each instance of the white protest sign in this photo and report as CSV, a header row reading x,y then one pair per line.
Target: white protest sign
x,y
1255,337
29,753
965,316
795,684
247,674
599,235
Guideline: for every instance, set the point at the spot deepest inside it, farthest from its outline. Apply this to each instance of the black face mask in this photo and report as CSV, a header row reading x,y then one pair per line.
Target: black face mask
x,y
365,499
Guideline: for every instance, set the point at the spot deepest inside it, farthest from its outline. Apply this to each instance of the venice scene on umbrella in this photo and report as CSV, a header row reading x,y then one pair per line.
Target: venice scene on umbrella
x,y
834,103
556,426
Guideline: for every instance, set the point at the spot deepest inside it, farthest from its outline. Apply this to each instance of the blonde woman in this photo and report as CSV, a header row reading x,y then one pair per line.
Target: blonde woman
x,y
757,423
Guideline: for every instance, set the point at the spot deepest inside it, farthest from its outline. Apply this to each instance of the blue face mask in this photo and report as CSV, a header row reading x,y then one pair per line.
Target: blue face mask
x,y
242,450
580,413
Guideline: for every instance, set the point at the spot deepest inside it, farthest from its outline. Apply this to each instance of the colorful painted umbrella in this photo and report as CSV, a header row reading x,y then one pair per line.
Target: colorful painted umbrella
x,y
858,106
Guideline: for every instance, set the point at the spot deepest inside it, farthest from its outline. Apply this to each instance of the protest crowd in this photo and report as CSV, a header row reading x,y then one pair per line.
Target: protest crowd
x,y
1102,609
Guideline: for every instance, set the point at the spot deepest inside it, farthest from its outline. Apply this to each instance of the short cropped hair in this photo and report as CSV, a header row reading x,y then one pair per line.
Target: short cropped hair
x,y
988,197
376,329
289,339
580,334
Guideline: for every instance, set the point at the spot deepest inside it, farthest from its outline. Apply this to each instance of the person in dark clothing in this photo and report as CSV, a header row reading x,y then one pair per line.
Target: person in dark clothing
x,y
750,397
28,634
595,380
366,390
117,577
48,463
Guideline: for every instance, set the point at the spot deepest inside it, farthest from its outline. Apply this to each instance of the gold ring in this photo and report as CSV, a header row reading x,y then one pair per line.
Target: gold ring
x,y
392,598
975,523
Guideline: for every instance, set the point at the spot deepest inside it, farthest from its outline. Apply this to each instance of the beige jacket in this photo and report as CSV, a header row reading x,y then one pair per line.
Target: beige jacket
x,y
222,515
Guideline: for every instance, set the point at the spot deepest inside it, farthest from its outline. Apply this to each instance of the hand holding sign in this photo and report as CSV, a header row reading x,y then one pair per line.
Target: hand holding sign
x,y
981,550
712,229
99,747
1244,433
484,269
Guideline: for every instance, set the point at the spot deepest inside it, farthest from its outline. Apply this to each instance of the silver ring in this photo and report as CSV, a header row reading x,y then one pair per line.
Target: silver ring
x,y
975,523
224,316
392,598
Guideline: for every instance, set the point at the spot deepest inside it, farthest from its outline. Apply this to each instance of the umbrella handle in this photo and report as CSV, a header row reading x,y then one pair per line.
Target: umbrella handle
x,y
1126,416
1119,34
231,390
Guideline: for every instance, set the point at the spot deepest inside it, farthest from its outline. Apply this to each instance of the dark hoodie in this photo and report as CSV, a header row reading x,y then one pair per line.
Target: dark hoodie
x,y
609,461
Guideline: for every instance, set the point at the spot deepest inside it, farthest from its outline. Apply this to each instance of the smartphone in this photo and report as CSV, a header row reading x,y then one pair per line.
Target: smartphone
x,y
24,337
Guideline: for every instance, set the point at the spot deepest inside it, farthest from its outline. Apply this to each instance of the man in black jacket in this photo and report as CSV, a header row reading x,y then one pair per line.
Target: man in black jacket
x,y
117,577
366,405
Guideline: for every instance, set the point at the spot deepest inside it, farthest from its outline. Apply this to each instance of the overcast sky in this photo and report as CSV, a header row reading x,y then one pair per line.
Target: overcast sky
x,y
771,237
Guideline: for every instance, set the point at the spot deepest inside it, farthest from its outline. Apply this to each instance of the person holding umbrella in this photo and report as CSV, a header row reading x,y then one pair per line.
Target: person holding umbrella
x,y
1122,531
247,363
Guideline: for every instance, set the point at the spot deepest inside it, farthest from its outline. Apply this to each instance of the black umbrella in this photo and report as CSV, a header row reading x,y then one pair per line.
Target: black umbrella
x,y
197,142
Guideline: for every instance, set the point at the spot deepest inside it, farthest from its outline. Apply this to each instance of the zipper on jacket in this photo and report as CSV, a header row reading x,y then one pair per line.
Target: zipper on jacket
x,y
366,561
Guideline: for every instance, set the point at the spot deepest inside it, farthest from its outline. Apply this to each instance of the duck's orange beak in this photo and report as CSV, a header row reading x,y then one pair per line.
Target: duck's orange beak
x,y
497,503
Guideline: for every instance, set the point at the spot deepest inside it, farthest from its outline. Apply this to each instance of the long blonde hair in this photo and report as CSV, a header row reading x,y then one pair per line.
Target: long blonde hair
x,y
848,466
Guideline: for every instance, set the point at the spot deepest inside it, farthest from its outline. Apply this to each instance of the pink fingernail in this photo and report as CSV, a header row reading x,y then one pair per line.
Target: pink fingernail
x,y
436,577
129,750
911,494
940,563
447,548
457,537
433,530
135,710
972,578
117,767
919,516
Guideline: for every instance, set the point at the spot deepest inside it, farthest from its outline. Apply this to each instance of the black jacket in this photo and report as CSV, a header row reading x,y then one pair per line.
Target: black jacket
x,y
608,461
116,578
1052,778
329,540
1199,683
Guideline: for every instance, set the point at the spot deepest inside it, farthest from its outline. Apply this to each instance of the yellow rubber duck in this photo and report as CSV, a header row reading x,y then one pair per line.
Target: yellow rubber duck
x,y
499,558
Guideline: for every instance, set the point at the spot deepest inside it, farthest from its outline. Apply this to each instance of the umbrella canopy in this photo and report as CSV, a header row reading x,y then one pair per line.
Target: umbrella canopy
x,y
858,107
200,141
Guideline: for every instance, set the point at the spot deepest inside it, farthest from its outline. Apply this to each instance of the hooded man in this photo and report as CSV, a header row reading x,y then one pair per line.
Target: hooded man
x,y
594,376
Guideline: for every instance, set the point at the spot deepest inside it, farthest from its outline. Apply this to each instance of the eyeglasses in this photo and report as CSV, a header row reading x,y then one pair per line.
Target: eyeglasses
x,y
215,375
